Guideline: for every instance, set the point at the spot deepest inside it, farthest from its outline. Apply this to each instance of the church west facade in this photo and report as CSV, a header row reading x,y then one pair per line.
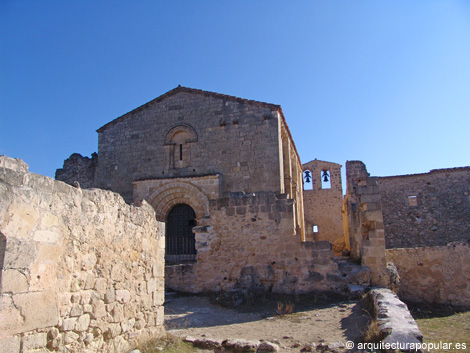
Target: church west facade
x,y
224,174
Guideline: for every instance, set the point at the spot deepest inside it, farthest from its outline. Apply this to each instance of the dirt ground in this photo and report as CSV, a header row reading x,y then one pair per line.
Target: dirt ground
x,y
310,322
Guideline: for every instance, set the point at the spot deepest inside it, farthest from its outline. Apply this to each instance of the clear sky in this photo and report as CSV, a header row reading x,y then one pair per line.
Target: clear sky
x,y
385,82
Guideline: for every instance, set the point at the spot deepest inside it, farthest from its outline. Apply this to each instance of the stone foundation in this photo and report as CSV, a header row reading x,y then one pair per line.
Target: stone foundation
x,y
82,271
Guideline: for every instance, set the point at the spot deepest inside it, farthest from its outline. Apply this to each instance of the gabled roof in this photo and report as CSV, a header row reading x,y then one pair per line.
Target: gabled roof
x,y
191,91
320,161
204,94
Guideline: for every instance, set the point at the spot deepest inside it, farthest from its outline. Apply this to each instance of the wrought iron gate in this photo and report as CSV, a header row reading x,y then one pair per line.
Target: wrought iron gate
x,y
180,241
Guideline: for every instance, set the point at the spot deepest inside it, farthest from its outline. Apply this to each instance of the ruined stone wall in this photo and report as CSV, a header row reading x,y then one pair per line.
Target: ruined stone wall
x,y
439,274
322,206
79,169
429,209
249,243
82,271
217,136
365,228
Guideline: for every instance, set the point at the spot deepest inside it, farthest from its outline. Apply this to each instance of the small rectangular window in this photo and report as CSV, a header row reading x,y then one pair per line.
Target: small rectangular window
x,y
315,229
412,200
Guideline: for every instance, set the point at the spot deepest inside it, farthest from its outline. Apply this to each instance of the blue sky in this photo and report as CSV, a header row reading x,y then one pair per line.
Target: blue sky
x,y
385,82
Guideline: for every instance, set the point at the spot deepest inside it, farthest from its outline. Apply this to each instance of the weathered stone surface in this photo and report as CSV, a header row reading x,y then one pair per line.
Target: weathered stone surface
x,y
66,252
363,226
14,281
395,321
322,205
240,345
204,342
429,209
428,275
265,347
34,341
10,344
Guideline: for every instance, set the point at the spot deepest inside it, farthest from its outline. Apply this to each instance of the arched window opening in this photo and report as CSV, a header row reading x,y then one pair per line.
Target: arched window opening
x,y
180,239
179,139
308,180
325,179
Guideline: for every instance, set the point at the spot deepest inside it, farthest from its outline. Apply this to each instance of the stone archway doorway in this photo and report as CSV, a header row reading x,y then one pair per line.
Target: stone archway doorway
x,y
180,239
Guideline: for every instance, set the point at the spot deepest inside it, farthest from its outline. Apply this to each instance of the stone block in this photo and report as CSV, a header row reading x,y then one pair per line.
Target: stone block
x,y
82,323
151,285
10,344
19,253
34,341
71,337
14,281
123,296
38,310
109,295
69,324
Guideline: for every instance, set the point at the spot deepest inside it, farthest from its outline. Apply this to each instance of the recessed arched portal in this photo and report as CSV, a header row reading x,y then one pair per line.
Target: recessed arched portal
x,y
180,239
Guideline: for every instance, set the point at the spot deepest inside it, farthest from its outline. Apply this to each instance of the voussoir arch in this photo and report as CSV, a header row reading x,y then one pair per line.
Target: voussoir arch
x,y
166,196
180,128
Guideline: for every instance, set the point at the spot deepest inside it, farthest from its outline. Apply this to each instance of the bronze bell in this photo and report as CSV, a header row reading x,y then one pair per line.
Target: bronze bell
x,y
307,176
325,176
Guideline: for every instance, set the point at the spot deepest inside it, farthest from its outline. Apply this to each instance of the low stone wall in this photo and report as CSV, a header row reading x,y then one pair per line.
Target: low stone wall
x,y
249,242
438,274
81,271
400,331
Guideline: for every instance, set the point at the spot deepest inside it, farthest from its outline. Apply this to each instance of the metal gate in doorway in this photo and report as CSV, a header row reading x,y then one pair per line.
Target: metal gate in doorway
x,y
180,240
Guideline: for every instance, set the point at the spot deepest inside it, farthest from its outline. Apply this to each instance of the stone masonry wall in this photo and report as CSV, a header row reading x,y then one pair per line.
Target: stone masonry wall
x,y
365,228
82,271
230,137
439,274
429,209
79,169
322,207
248,242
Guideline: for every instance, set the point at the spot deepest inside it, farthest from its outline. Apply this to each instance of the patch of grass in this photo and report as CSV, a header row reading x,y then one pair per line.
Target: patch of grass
x,y
166,344
284,308
373,333
453,328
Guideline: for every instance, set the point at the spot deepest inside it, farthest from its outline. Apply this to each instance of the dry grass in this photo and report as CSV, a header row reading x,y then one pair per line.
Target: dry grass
x,y
166,344
373,333
284,308
453,328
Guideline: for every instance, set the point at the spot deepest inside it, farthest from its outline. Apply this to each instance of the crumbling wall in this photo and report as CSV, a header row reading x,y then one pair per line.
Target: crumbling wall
x,y
82,270
365,227
249,242
322,206
439,274
429,209
79,169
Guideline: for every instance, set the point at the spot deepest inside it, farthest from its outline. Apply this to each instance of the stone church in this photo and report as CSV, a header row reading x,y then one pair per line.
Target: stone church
x,y
224,174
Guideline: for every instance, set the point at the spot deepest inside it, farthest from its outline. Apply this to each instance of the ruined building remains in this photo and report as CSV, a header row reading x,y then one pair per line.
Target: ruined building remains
x,y
420,223
224,175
